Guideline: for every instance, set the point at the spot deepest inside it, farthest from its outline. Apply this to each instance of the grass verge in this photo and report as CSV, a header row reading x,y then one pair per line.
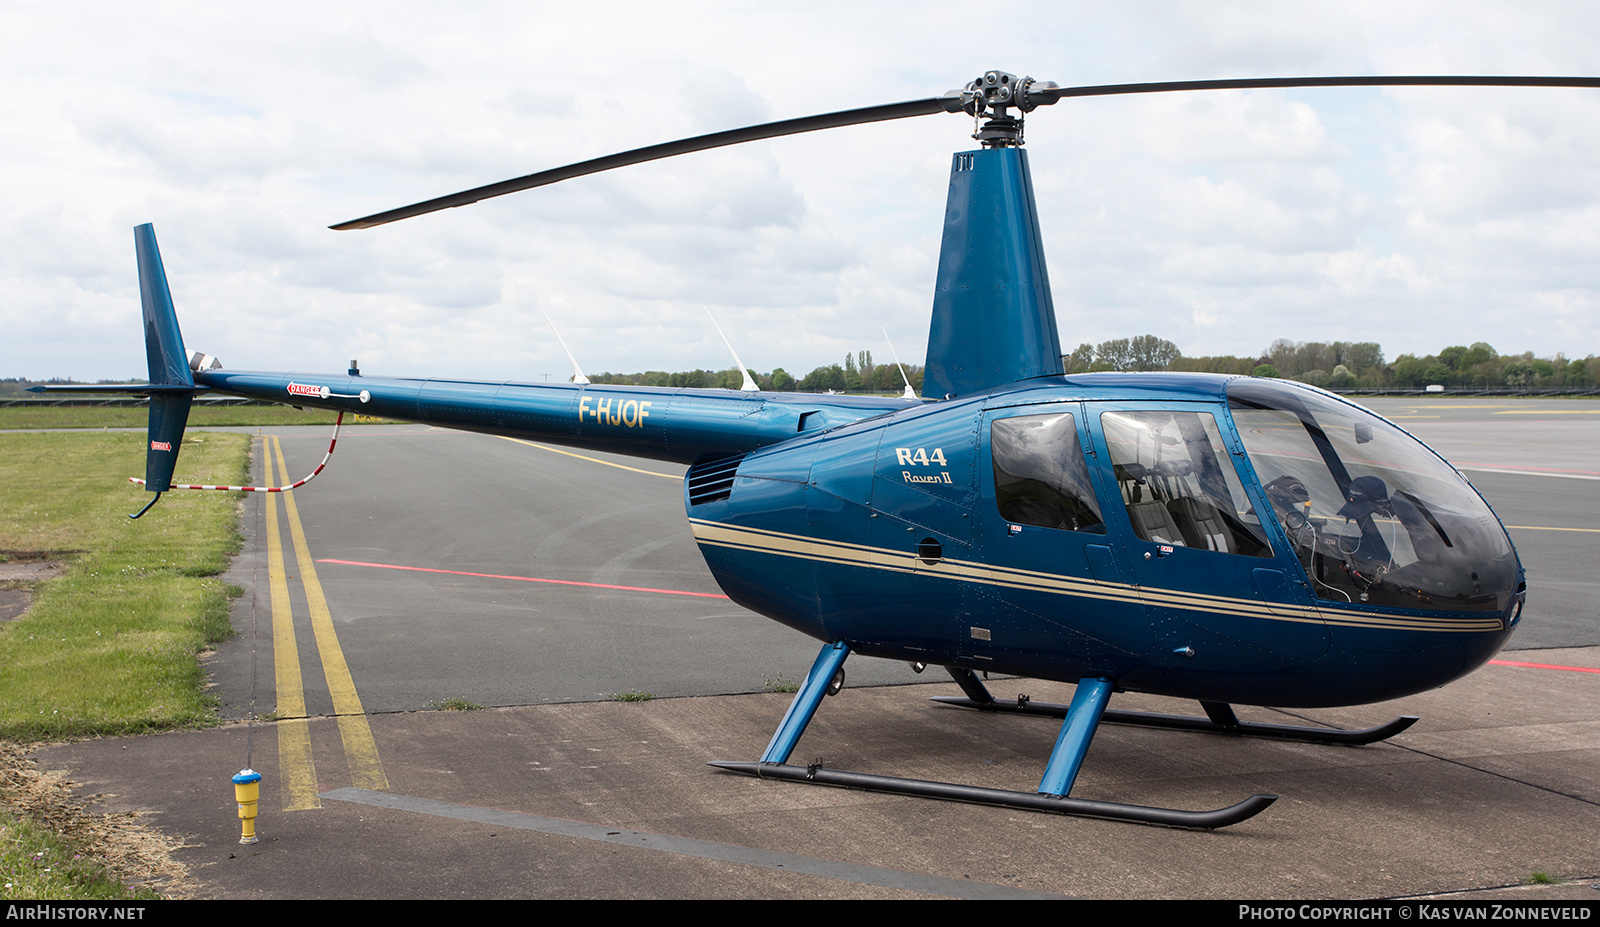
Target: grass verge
x,y
18,417
110,646
36,862
50,848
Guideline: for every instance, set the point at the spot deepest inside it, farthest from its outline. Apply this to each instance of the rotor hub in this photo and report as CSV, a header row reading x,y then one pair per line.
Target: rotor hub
x,y
987,99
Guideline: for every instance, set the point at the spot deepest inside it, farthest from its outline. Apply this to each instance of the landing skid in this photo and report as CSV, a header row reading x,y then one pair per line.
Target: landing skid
x,y
1219,719
1004,798
1083,716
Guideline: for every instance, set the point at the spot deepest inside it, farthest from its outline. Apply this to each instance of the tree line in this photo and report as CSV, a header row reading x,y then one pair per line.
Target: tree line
x,y
1335,365
1341,365
1360,365
858,373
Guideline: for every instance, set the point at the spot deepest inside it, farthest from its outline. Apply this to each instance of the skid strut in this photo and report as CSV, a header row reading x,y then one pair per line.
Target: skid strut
x,y
1219,719
1083,716
805,703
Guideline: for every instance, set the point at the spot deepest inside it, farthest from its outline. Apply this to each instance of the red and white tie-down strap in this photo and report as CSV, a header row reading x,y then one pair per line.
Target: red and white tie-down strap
x,y
325,457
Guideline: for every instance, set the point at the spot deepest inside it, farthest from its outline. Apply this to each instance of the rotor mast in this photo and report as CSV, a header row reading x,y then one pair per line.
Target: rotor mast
x,y
994,321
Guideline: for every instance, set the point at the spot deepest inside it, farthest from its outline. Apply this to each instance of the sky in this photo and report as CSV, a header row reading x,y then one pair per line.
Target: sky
x,y
1416,217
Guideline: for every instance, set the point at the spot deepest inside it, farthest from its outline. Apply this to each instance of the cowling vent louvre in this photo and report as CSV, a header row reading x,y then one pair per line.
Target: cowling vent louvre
x,y
710,480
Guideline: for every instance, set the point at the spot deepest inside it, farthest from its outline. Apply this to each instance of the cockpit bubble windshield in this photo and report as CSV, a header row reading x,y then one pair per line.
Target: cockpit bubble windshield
x,y
1374,516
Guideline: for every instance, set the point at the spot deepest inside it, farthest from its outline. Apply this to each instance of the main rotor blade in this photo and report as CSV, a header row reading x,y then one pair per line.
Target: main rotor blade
x,y
666,150
1036,95
1050,95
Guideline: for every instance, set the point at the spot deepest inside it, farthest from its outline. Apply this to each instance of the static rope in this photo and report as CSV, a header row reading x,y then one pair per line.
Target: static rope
x,y
255,627
325,458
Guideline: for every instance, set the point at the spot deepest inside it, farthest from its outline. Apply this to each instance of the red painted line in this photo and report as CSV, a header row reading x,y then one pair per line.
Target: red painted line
x,y
1573,669
528,579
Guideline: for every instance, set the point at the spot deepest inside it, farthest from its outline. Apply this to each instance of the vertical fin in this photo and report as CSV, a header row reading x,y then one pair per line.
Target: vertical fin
x,y
163,343
993,319
169,364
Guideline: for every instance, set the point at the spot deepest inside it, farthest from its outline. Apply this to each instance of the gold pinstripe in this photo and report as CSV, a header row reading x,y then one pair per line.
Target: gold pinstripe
x,y
714,534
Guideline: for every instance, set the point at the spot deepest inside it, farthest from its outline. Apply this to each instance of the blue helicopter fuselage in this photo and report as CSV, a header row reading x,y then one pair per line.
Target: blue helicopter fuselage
x,y
899,535
1227,539
910,531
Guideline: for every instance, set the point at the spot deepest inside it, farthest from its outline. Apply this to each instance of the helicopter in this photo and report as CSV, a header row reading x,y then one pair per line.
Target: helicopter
x,y
1231,540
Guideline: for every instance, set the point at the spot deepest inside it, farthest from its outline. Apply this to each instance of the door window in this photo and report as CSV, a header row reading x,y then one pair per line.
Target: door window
x,y
1178,484
1040,477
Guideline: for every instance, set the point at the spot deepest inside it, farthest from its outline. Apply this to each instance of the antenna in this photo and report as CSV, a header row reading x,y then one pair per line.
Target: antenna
x,y
749,384
909,393
577,372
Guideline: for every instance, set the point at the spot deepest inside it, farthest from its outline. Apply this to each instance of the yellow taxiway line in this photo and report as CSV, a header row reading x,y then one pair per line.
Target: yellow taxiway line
x,y
294,734
597,460
1551,528
294,749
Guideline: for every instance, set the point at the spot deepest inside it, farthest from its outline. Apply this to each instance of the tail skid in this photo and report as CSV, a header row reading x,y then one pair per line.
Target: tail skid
x,y
332,442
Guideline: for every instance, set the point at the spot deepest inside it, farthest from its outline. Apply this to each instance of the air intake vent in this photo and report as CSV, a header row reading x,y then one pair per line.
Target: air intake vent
x,y
711,480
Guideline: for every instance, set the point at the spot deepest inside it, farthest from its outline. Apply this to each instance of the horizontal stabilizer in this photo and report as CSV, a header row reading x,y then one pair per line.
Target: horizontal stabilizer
x,y
145,388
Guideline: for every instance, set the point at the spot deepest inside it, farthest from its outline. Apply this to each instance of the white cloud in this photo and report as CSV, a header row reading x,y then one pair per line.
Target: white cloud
x,y
1219,220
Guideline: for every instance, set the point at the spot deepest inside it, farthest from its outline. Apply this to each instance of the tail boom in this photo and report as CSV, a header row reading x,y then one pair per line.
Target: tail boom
x,y
678,425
